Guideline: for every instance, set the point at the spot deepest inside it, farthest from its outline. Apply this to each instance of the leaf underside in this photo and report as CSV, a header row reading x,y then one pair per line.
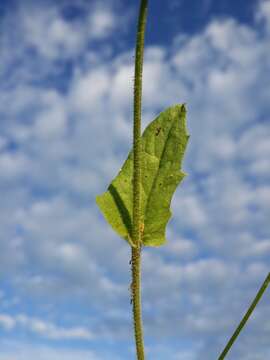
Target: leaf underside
x,y
163,145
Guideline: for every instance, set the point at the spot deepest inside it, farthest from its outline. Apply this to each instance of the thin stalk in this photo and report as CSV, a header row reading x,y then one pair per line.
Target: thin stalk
x,y
245,318
136,229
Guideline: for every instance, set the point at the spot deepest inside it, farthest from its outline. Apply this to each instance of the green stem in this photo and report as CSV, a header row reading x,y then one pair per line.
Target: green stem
x,y
136,229
245,318
136,299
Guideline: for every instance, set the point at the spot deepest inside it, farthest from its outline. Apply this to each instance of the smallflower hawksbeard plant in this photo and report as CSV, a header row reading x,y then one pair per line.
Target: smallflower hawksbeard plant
x,y
137,202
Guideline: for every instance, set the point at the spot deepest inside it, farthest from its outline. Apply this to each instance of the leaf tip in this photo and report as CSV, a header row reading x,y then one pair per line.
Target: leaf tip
x,y
185,174
183,111
183,107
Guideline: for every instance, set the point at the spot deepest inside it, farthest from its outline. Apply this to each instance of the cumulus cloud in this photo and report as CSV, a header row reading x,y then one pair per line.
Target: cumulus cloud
x,y
61,145
24,351
53,36
43,328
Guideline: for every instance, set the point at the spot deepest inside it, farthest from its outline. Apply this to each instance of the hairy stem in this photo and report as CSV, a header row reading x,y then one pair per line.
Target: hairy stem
x,y
245,318
136,299
136,233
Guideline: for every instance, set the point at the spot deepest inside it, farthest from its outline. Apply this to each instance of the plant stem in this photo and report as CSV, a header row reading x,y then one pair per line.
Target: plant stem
x,y
245,318
136,229
136,299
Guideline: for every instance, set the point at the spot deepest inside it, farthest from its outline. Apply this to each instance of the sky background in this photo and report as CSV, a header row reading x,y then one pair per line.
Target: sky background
x,y
66,76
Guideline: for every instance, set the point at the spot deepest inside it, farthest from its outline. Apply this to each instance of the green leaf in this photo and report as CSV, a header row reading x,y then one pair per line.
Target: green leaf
x,y
163,145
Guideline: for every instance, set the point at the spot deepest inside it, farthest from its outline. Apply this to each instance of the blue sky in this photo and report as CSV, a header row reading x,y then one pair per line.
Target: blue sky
x,y
66,120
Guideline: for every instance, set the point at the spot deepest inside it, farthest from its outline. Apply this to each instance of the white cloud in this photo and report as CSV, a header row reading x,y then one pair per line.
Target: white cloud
x,y
44,328
52,36
54,246
55,37
89,89
12,165
101,22
23,351
52,122
193,210
263,13
7,322
180,248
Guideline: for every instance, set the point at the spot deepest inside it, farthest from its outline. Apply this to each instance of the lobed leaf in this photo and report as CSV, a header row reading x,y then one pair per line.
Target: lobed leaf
x,y
163,145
